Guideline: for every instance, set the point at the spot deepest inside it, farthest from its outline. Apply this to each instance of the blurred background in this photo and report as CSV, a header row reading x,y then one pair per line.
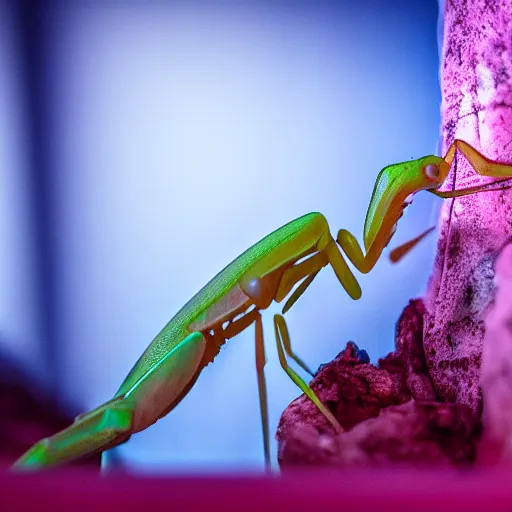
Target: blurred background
x,y
145,145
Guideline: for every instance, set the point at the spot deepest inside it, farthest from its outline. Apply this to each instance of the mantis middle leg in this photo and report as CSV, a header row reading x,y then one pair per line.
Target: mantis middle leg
x,y
238,326
282,337
261,361
306,270
234,328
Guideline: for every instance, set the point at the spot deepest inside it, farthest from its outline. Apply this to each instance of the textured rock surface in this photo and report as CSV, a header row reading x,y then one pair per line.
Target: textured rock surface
x,y
409,353
412,434
389,411
476,82
353,391
496,378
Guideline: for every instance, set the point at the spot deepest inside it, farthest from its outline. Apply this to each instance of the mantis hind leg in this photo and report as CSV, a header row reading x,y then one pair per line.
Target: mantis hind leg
x,y
112,423
261,360
232,330
281,334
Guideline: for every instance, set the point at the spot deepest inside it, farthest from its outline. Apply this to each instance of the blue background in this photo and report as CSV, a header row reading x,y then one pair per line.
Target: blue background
x,y
143,146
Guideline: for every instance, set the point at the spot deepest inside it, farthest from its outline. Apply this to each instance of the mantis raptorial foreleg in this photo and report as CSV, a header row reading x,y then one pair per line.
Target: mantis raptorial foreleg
x,y
478,162
400,251
363,262
482,166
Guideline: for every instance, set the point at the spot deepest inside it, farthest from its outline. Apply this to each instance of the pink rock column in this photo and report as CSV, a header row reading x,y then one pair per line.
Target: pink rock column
x,y
496,379
476,81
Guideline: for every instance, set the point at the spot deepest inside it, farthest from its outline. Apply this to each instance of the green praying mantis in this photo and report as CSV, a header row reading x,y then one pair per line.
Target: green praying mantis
x,y
233,300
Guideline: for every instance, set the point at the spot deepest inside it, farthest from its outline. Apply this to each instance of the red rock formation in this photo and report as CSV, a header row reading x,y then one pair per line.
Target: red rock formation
x,y
389,411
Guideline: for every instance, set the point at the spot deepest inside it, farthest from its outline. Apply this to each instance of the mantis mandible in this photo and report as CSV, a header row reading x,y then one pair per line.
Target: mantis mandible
x,y
233,299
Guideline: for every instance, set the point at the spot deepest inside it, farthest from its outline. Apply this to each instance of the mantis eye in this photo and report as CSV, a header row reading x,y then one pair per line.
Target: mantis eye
x,y
431,171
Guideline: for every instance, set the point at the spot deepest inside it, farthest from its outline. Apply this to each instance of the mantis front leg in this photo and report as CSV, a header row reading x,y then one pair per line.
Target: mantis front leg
x,y
479,162
399,252
363,262
481,165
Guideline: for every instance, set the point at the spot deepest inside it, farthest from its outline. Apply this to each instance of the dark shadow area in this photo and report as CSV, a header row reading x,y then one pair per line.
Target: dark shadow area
x,y
27,414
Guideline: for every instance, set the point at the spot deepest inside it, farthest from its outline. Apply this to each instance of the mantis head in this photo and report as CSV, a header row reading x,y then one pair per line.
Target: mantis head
x,y
394,189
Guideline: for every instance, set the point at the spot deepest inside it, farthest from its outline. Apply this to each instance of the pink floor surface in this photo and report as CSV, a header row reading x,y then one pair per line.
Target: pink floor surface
x,y
436,491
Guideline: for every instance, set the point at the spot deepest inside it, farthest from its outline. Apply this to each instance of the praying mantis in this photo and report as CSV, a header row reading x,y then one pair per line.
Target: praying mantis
x,y
233,300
